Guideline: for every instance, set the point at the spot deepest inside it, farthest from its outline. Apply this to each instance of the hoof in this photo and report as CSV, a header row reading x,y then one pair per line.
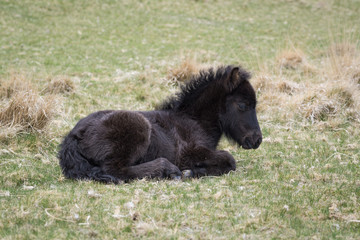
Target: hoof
x,y
187,174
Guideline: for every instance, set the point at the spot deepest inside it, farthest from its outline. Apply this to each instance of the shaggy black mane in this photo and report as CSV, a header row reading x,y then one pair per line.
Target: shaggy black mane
x,y
193,88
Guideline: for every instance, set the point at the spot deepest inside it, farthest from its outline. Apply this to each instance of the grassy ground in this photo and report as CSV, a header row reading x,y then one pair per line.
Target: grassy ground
x,y
303,181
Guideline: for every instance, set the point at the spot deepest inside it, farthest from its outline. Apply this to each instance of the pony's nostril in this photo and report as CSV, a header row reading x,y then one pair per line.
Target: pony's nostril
x,y
258,142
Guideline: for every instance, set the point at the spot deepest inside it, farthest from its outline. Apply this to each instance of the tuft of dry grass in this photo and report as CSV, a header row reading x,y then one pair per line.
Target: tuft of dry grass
x,y
15,82
331,100
294,59
343,60
288,87
330,93
356,76
29,110
185,70
265,83
291,59
23,108
343,49
318,108
60,85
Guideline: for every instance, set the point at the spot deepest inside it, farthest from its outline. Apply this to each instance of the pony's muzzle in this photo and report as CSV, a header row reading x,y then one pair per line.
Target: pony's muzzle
x,y
252,142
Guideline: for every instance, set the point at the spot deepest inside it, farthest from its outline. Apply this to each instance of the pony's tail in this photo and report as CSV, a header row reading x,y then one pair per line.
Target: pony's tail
x,y
75,166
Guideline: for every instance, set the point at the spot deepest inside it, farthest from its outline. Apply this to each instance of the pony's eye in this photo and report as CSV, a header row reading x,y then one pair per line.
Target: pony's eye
x,y
242,106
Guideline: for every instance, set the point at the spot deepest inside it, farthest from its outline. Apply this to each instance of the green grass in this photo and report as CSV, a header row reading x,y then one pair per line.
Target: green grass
x,y
303,181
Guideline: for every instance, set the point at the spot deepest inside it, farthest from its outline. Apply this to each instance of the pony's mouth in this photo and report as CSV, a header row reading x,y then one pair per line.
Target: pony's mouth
x,y
246,147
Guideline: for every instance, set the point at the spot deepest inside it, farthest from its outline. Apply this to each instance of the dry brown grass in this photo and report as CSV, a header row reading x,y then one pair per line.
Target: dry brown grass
x,y
291,58
331,93
343,49
356,76
263,82
294,59
343,60
29,110
187,68
22,107
60,85
14,82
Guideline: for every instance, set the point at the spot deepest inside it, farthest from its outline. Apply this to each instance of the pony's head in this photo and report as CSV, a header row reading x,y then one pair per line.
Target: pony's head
x,y
238,115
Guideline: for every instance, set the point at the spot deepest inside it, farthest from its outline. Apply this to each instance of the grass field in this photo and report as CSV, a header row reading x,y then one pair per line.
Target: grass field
x,y
61,60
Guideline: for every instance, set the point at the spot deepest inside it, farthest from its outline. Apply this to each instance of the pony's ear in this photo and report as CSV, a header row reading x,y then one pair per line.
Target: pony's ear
x,y
235,77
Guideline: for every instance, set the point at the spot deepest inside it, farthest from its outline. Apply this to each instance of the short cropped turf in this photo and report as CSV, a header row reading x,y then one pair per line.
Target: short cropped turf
x,y
62,60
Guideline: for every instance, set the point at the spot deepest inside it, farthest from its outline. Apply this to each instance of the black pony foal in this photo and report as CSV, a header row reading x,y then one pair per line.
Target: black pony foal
x,y
182,134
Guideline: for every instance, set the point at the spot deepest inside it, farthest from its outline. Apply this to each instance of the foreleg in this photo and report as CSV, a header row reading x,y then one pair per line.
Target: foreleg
x,y
158,168
202,161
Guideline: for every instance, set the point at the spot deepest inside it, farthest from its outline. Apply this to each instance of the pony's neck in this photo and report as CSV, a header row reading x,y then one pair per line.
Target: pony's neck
x,y
205,110
201,99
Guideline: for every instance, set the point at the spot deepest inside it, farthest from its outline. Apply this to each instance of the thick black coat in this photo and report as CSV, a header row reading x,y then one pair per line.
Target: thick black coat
x,y
182,134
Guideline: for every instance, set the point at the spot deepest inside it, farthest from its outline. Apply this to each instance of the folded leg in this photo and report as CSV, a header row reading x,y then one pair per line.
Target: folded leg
x,y
202,161
158,168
